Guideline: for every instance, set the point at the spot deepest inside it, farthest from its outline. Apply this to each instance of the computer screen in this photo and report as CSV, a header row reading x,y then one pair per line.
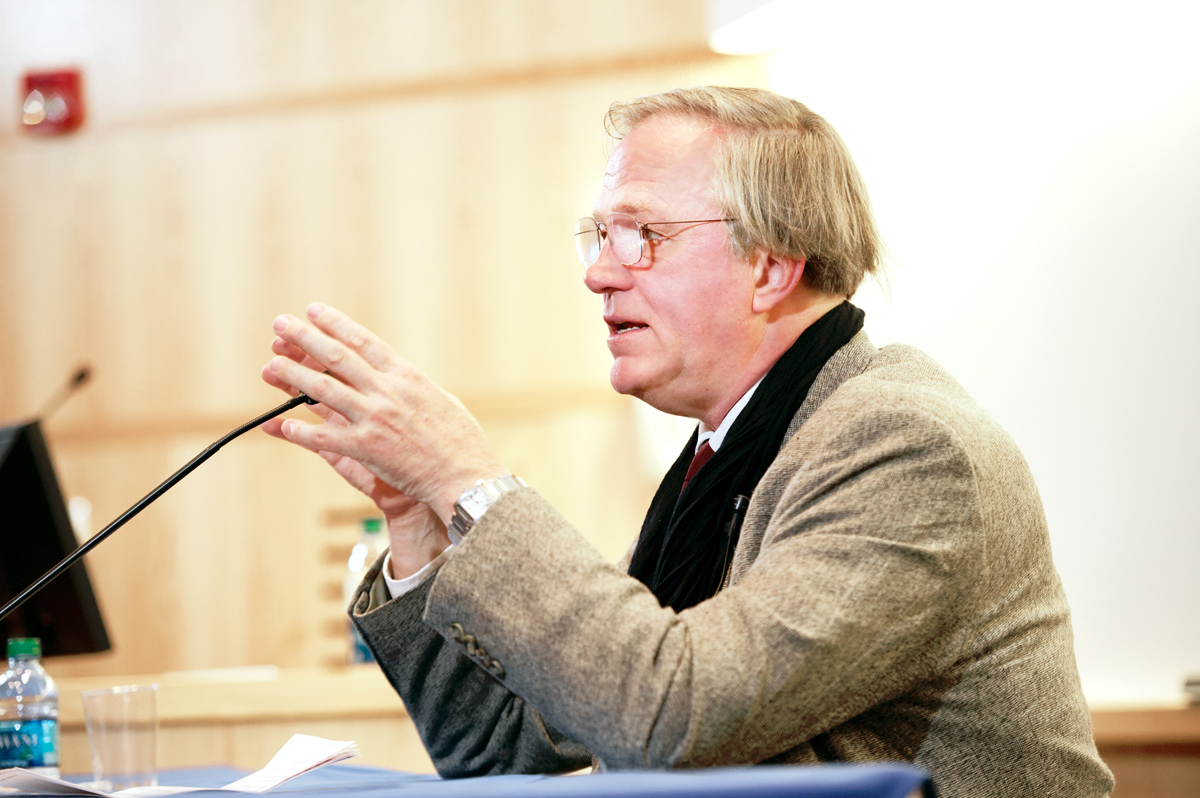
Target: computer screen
x,y
35,534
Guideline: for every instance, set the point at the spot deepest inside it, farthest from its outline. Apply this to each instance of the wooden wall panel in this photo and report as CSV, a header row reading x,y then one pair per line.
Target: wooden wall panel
x,y
418,165
174,62
224,570
242,716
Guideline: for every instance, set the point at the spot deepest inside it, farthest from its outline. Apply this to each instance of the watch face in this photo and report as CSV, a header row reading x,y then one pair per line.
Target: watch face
x,y
475,502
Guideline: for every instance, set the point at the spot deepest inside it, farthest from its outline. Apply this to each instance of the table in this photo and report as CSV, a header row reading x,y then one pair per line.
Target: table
x,y
762,781
241,716
1153,751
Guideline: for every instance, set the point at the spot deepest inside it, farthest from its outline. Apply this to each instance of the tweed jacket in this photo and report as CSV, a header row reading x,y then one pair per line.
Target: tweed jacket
x,y
892,597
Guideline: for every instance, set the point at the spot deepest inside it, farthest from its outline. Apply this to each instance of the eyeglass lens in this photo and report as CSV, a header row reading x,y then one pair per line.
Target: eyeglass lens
x,y
624,235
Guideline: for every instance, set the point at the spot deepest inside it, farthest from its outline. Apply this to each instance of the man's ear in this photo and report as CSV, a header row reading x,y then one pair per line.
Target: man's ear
x,y
775,277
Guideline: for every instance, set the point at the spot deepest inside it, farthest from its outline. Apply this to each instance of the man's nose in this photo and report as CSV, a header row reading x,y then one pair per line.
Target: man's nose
x,y
607,274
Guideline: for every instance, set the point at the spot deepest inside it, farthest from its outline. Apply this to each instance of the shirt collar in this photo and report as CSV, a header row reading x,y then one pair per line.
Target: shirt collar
x,y
716,437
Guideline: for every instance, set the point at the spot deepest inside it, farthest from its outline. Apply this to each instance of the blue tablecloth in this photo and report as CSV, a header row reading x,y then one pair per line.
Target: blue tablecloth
x,y
763,781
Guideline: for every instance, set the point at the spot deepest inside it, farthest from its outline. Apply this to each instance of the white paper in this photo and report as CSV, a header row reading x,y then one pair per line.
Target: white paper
x,y
20,779
299,755
149,792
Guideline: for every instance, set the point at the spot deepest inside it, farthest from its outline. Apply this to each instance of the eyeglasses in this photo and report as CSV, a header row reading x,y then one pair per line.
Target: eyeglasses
x,y
625,234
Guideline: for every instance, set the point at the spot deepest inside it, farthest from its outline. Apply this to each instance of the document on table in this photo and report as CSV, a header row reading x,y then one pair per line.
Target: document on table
x,y
299,755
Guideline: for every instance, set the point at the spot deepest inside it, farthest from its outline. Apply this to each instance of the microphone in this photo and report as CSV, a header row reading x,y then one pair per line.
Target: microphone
x,y
75,556
81,375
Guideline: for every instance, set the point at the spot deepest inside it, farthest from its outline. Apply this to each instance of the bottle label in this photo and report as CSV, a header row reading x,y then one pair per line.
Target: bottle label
x,y
29,743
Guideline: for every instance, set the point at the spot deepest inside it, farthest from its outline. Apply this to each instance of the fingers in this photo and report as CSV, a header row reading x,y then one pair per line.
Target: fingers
x,y
269,378
359,339
321,353
275,428
328,415
330,340
321,438
292,352
282,347
295,369
272,428
300,341
382,414
324,388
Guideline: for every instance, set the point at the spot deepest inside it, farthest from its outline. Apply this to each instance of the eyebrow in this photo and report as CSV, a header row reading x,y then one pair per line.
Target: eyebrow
x,y
631,208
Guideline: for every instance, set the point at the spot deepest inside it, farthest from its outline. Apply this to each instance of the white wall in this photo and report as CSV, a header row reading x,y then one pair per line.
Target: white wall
x,y
1036,172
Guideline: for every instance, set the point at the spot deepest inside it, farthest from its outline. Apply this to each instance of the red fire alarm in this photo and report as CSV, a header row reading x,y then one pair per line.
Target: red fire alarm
x,y
53,102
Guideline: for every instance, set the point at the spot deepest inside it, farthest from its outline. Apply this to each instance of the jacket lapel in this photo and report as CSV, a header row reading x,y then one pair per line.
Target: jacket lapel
x,y
850,361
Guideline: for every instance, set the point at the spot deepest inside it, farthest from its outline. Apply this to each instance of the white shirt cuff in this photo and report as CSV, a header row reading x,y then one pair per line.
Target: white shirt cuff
x,y
398,587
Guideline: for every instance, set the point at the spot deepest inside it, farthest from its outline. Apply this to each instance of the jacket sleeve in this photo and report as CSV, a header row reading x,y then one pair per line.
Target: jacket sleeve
x,y
868,559
469,722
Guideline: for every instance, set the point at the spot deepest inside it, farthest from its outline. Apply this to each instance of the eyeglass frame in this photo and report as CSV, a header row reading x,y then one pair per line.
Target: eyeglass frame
x,y
642,228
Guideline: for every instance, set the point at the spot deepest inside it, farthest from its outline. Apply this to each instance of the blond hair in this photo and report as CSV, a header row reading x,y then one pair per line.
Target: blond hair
x,y
783,174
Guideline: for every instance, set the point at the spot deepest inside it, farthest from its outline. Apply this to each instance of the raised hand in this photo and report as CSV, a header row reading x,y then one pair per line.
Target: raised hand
x,y
381,414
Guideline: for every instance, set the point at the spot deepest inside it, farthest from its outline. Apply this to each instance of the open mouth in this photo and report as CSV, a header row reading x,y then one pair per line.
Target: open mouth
x,y
626,326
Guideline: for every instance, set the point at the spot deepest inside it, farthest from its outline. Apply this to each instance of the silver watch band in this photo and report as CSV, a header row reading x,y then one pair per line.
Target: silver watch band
x,y
476,500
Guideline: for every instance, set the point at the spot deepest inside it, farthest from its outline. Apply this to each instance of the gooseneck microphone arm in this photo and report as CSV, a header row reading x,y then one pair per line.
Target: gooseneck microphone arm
x,y
65,392
94,541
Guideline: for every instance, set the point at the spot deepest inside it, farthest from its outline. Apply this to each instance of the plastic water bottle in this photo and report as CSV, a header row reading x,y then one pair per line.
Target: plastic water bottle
x,y
372,540
28,711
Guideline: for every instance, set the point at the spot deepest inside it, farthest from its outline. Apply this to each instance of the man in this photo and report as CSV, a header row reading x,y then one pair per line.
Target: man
x,y
886,592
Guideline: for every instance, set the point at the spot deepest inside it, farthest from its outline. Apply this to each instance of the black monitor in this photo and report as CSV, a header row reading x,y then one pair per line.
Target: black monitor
x,y
35,534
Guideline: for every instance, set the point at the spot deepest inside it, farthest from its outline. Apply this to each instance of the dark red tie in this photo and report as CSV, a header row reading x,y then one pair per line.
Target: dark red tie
x,y
702,454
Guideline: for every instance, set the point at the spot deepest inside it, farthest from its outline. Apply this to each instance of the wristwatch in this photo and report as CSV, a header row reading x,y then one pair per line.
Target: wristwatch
x,y
476,500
